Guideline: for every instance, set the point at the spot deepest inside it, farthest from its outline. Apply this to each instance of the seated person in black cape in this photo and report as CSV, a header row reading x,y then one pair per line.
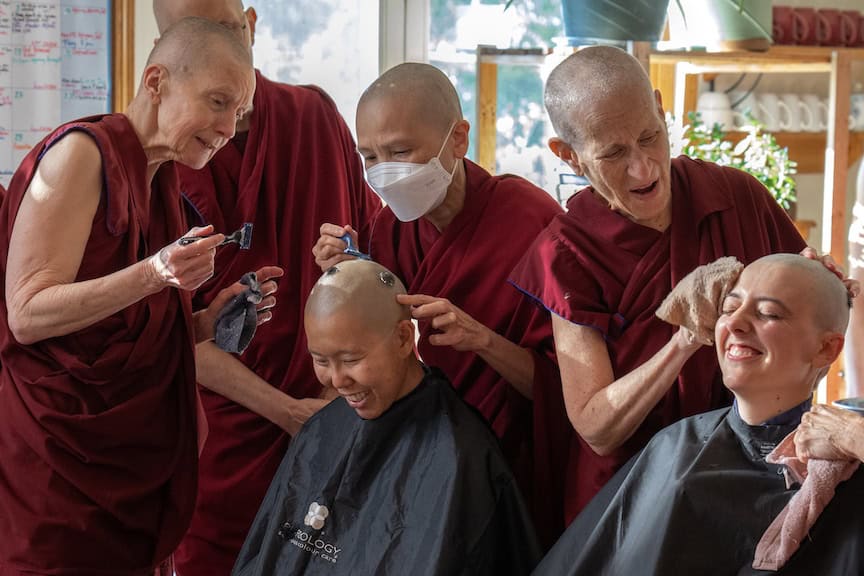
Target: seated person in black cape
x,y
398,476
700,496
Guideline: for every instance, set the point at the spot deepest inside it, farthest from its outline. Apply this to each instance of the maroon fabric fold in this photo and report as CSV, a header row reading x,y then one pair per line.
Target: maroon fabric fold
x,y
469,264
298,169
98,429
594,267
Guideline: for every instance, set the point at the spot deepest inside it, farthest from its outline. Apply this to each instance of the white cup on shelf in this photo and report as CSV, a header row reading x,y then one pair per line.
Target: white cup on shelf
x,y
818,113
742,103
794,114
769,111
856,111
716,108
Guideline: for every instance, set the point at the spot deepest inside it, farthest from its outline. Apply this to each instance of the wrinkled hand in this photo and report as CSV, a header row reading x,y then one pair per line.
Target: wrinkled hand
x,y
457,329
852,286
205,320
299,411
186,267
827,432
329,249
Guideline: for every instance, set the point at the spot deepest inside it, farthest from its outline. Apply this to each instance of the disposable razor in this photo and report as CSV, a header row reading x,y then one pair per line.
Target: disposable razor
x,y
351,249
241,236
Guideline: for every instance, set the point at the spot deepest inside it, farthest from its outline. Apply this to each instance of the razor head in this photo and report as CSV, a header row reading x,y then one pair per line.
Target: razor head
x,y
351,249
242,236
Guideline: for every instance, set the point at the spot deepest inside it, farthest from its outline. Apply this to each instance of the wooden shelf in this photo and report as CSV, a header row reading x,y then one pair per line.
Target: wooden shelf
x,y
808,148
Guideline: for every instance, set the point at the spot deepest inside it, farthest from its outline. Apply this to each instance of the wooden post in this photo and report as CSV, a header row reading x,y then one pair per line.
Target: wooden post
x,y
834,193
487,103
122,53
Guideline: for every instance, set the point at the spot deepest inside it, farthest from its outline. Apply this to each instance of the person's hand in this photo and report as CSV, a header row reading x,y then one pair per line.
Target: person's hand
x,y
827,432
852,286
205,320
329,249
457,329
688,340
186,267
299,411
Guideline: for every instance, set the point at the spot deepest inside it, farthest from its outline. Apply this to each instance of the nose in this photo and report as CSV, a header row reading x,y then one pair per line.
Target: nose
x,y
736,322
226,124
640,165
339,378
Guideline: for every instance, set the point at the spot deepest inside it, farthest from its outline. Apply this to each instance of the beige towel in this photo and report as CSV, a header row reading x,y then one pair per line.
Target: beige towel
x,y
818,479
695,302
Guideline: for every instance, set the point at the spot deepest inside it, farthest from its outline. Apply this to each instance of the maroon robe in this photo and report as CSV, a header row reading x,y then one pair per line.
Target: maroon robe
x,y
98,450
596,268
468,264
298,169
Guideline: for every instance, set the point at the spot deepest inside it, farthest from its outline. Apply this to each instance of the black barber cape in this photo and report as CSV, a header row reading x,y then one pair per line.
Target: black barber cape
x,y
421,490
696,502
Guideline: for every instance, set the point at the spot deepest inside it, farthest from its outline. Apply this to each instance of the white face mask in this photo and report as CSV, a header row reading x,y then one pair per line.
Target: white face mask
x,y
412,190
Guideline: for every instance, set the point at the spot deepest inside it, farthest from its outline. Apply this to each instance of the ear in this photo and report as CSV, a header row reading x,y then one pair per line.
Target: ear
x,y
405,334
565,152
251,19
460,138
832,345
659,98
155,76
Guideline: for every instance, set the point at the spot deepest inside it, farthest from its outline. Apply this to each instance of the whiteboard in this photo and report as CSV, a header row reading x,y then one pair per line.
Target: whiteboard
x,y
55,65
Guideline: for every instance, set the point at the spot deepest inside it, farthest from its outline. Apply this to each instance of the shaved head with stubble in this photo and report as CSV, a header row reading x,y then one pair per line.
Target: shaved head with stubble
x,y
590,76
360,338
422,90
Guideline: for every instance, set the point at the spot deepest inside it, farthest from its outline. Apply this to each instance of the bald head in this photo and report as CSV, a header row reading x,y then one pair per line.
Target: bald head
x,y
424,89
364,290
169,12
197,44
591,75
825,293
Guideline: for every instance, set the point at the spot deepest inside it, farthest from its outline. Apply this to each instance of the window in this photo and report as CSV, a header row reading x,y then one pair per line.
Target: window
x,y
456,28
331,43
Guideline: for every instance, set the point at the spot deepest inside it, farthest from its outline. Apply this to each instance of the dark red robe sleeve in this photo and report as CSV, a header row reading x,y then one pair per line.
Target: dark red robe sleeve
x,y
98,450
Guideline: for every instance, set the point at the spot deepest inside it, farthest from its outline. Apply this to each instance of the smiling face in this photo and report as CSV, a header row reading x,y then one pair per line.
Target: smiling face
x,y
624,153
369,369
198,110
773,336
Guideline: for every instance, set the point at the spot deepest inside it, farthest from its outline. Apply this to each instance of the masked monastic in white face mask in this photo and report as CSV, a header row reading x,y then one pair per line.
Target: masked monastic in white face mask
x,y
412,190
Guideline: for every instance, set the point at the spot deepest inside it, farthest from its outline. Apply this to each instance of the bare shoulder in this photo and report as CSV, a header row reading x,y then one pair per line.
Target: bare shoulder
x,y
71,167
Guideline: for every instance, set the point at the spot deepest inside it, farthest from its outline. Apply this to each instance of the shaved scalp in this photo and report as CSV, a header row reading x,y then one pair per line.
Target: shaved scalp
x,y
169,12
593,74
424,88
366,290
830,299
196,44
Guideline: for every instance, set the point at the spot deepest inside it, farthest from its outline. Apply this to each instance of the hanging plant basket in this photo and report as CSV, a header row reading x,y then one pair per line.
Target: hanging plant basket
x,y
587,21
721,25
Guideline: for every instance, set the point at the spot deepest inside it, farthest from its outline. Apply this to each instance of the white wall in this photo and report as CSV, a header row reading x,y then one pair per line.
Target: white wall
x,y
145,33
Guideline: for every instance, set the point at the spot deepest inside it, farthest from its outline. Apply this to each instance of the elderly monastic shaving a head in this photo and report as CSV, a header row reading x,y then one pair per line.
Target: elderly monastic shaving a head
x,y
452,233
604,266
291,165
98,435
397,475
708,494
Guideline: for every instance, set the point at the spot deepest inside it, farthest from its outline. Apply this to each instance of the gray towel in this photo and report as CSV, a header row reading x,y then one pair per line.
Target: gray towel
x,y
236,323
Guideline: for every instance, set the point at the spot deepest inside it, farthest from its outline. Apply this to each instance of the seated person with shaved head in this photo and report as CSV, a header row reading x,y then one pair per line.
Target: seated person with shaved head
x,y
98,418
604,267
452,233
398,476
702,497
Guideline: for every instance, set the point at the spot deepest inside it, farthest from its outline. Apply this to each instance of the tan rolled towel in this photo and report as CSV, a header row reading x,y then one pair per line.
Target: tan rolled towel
x,y
818,479
695,301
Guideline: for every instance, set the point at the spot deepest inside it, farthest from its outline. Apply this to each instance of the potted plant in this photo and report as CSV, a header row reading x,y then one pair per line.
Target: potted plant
x,y
720,25
757,153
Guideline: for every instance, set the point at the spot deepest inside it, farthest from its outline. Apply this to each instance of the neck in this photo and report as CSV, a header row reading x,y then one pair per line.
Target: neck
x,y
757,410
454,201
142,117
413,376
